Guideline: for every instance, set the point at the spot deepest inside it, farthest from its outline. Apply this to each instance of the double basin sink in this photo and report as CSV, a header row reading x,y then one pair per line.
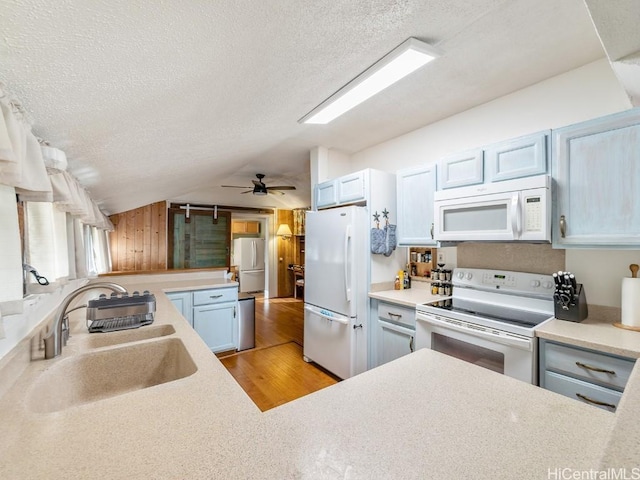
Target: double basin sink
x,y
137,359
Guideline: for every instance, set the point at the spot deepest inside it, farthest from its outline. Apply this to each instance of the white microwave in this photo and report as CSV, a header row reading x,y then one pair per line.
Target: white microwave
x,y
513,210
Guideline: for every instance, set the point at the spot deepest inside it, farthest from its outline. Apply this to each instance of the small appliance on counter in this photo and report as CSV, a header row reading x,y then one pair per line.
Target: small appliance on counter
x,y
120,312
570,300
630,318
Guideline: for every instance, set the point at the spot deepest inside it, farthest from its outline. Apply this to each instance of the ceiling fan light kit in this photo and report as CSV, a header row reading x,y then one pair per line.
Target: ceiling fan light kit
x,y
397,64
259,188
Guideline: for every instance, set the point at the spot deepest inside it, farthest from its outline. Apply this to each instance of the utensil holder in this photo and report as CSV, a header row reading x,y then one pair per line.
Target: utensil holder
x,y
576,310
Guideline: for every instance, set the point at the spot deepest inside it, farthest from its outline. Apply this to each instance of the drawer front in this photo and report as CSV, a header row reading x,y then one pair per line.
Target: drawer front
x,y
214,295
588,393
588,365
396,314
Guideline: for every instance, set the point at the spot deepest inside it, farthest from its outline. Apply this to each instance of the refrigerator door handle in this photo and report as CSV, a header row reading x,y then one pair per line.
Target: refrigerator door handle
x,y
347,237
253,253
344,321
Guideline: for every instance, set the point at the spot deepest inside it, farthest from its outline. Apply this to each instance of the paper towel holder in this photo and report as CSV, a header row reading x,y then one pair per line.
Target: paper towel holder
x,y
634,274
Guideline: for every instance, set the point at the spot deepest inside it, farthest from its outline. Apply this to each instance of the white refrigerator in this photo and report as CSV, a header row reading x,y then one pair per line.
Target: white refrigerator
x,y
248,256
335,293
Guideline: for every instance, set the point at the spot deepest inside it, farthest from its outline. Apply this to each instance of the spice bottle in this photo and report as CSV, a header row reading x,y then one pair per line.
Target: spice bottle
x,y
396,285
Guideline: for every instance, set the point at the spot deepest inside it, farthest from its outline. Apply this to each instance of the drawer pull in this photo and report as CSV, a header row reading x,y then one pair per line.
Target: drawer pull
x,y
594,369
595,402
215,296
397,315
411,347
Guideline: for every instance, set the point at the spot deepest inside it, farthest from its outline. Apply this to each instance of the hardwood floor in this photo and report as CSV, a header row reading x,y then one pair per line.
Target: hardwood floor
x,y
274,372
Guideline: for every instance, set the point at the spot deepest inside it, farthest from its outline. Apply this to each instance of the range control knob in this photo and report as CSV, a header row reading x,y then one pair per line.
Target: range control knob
x,y
469,275
547,285
535,283
460,275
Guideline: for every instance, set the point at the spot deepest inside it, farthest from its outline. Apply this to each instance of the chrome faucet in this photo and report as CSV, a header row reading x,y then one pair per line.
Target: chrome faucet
x,y
53,341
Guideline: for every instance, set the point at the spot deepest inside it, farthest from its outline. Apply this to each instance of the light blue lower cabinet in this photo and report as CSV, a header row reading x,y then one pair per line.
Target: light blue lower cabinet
x,y
592,377
217,325
182,301
213,314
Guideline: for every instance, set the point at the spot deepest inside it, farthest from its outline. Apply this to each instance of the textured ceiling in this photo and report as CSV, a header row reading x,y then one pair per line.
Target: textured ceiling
x,y
169,100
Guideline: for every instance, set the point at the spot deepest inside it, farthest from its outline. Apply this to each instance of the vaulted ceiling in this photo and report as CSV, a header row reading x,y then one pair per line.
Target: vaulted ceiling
x,y
170,100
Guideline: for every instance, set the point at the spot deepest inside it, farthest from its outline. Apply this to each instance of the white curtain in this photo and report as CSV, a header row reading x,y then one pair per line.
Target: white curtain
x,y
46,246
10,254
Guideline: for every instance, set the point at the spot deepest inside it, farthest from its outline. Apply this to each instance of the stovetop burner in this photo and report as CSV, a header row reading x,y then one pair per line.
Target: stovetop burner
x,y
515,302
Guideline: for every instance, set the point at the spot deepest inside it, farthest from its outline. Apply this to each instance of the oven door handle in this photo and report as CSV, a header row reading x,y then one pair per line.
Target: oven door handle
x,y
506,339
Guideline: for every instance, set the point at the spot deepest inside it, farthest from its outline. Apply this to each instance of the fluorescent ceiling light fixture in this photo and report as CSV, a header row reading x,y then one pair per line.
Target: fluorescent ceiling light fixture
x,y
397,64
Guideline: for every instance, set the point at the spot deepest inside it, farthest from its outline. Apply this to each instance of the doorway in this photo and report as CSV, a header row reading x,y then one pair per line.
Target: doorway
x,y
265,229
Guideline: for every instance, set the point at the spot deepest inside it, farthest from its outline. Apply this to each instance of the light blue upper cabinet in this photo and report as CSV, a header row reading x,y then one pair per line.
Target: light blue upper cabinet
x,y
596,169
461,169
518,157
415,188
352,187
326,194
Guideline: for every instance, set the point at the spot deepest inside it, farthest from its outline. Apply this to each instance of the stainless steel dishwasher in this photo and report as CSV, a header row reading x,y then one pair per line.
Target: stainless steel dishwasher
x,y
246,321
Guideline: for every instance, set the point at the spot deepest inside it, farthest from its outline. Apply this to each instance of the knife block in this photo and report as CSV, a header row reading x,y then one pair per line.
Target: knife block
x,y
577,309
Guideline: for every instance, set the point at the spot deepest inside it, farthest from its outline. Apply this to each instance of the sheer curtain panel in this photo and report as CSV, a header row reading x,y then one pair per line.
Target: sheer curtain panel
x,y
10,254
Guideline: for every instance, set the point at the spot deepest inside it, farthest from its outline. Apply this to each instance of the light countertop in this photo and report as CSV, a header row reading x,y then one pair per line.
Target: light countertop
x,y
425,415
595,332
409,297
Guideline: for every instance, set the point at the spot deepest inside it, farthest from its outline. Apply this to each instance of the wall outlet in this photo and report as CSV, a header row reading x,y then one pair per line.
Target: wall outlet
x,y
441,257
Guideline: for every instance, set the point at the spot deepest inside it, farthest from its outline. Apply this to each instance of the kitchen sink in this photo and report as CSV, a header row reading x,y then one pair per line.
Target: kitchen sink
x,y
103,374
97,340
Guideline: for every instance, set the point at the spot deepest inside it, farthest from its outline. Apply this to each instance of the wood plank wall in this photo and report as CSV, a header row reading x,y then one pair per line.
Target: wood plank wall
x,y
139,241
285,255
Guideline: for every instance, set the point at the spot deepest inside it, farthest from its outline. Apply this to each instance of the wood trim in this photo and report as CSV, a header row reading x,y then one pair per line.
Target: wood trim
x,y
285,255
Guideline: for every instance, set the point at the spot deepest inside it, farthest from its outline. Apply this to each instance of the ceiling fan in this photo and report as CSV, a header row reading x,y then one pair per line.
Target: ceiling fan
x,y
259,188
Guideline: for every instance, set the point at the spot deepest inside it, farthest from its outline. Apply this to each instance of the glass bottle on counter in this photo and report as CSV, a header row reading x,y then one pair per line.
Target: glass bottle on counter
x,y
396,285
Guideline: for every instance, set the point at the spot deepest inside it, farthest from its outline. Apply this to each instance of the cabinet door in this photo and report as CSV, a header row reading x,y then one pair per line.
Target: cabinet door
x,y
252,227
596,169
415,188
394,341
516,158
182,301
326,194
217,326
352,188
461,169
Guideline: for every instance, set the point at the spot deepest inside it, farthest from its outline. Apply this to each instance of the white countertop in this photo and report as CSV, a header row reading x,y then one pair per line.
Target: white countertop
x,y
594,333
425,415
409,297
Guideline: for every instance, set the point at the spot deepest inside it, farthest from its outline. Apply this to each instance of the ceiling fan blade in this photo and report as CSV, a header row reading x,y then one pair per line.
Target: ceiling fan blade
x,y
232,186
248,191
282,187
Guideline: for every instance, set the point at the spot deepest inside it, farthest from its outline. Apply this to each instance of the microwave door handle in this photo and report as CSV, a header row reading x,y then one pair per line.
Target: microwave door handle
x,y
515,216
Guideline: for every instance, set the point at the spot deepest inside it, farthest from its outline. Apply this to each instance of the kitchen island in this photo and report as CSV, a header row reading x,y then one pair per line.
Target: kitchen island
x,y
425,415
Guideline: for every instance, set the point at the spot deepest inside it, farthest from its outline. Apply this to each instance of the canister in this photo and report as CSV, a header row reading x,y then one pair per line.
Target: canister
x,y
434,288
